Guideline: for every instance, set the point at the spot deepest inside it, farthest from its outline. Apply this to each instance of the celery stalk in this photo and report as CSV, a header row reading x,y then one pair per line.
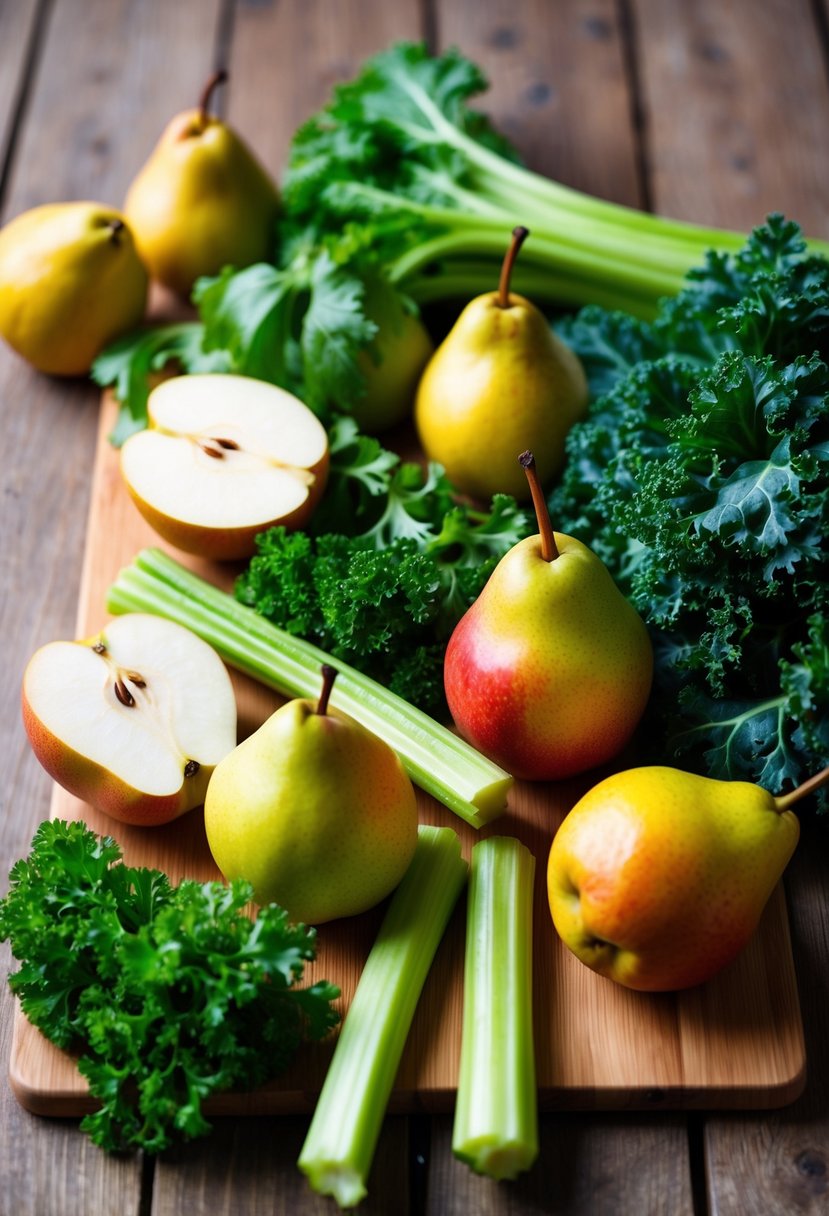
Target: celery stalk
x,y
496,1119
337,1154
437,760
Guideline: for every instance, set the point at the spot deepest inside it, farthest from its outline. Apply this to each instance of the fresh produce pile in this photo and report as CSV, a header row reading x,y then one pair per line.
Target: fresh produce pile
x,y
678,541
701,479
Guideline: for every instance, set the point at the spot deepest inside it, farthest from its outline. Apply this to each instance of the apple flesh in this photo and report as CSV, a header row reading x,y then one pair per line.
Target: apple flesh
x,y
132,721
224,458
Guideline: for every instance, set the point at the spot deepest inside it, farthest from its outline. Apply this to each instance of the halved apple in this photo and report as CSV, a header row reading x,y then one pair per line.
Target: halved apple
x,y
132,721
225,457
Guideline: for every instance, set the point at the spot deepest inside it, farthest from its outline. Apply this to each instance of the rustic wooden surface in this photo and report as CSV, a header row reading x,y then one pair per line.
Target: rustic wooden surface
x,y
709,111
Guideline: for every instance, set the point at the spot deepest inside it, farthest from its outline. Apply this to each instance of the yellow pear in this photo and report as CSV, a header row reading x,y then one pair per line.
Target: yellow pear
x,y
70,282
500,382
657,878
202,201
314,810
394,363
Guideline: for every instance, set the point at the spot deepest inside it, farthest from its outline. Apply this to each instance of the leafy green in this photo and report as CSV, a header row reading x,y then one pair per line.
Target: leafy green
x,y
168,993
701,477
129,363
386,599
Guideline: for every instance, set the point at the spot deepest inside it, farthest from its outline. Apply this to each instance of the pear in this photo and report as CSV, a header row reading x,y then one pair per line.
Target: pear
x,y
202,201
314,810
70,281
657,878
501,381
549,671
394,363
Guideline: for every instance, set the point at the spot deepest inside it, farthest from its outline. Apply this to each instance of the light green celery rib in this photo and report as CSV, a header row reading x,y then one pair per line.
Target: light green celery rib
x,y
496,1116
337,1154
461,278
437,760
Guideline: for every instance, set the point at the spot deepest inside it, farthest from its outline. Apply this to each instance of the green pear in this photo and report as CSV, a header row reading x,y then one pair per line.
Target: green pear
x,y
313,810
70,281
500,382
657,878
202,201
549,671
394,363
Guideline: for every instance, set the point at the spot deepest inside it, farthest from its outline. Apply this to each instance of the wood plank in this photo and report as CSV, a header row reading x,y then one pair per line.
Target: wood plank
x,y
736,102
249,1169
780,1165
109,76
18,34
286,57
595,1167
558,86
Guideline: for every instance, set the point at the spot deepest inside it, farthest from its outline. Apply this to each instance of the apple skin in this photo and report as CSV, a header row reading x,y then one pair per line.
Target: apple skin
x,y
229,544
657,878
315,811
100,788
549,671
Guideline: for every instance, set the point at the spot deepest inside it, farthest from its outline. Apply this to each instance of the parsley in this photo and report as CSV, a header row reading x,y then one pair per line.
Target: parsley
x,y
702,478
169,993
392,565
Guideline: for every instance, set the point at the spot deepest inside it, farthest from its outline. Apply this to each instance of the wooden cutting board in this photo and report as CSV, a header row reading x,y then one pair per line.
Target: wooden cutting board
x,y
735,1042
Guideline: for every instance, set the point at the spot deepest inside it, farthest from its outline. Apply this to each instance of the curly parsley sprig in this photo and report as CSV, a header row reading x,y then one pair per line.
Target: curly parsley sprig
x,y
168,993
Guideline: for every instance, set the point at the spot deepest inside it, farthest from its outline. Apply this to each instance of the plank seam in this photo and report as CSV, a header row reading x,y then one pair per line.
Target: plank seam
x,y
638,111
31,59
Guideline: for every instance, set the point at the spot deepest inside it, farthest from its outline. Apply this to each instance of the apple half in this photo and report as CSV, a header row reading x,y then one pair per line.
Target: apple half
x,y
224,457
132,721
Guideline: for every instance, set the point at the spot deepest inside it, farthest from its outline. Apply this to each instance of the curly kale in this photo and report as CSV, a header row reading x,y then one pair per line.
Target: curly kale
x,y
702,478
168,993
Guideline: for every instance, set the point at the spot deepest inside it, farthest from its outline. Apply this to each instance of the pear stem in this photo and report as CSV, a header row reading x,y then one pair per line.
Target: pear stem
x,y
519,236
204,101
784,801
549,548
329,675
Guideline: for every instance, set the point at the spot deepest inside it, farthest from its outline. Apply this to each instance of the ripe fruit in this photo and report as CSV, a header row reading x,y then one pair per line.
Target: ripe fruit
x,y
224,458
132,720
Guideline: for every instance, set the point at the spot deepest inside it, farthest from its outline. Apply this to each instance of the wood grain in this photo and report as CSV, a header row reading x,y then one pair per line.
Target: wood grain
x,y
595,1167
736,102
108,75
736,1041
287,56
558,88
18,33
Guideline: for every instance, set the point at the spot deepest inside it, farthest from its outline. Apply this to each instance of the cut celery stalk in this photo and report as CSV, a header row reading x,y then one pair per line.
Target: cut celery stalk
x,y
437,760
496,1115
337,1154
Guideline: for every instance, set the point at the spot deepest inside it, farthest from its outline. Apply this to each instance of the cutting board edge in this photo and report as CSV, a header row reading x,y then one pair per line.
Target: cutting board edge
x,y
75,1102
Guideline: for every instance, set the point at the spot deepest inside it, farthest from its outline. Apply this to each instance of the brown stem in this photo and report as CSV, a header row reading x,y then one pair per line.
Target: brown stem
x,y
116,227
204,101
784,801
519,236
549,548
329,675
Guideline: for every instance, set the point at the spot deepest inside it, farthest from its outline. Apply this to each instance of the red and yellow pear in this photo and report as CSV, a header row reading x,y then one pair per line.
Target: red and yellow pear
x,y
549,671
657,878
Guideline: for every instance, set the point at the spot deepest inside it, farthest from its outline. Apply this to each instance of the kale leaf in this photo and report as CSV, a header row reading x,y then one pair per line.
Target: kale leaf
x,y
701,477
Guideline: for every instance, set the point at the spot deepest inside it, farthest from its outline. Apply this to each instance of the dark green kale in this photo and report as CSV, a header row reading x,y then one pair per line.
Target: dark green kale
x,y
702,478
168,993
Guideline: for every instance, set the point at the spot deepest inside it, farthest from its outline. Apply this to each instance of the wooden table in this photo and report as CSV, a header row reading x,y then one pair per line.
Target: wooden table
x,y
712,110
